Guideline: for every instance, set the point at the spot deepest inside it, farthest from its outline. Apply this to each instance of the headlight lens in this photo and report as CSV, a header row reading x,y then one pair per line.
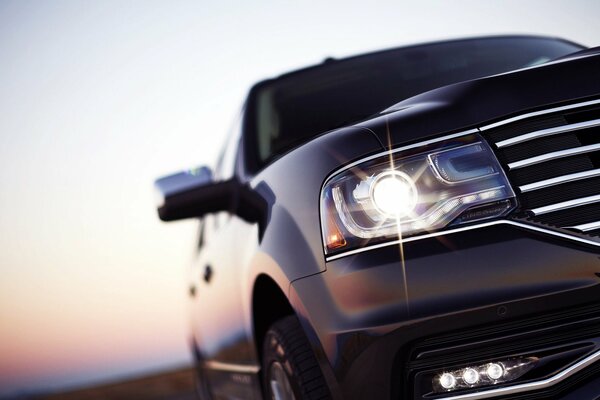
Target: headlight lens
x,y
411,192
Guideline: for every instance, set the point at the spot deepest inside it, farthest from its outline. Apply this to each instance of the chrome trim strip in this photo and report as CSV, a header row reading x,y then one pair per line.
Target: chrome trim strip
x,y
547,132
590,226
566,204
559,179
381,154
554,155
525,387
455,135
536,113
466,228
236,368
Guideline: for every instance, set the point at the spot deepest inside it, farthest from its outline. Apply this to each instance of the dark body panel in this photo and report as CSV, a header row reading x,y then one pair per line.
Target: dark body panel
x,y
288,248
453,282
363,313
366,308
297,179
475,103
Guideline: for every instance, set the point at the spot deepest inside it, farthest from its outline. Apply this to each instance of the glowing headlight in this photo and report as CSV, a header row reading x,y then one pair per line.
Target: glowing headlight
x,y
410,192
393,193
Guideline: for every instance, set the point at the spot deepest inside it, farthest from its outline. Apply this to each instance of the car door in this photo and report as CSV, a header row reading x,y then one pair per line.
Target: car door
x,y
219,319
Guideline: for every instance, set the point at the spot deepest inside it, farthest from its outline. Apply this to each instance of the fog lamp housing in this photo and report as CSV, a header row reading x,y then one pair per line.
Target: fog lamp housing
x,y
482,375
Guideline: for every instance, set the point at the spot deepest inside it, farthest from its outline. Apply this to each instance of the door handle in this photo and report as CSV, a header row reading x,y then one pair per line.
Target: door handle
x,y
208,273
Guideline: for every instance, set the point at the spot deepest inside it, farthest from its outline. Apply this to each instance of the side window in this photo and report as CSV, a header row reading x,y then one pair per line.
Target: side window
x,y
226,166
227,161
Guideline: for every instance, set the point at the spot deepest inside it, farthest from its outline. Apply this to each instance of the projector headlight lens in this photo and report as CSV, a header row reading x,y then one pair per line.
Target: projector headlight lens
x,y
415,191
394,194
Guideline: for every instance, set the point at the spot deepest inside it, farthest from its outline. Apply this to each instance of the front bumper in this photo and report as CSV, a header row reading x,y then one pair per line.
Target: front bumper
x,y
369,313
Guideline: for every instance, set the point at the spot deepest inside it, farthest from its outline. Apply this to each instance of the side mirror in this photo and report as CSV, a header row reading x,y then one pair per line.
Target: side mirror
x,y
195,193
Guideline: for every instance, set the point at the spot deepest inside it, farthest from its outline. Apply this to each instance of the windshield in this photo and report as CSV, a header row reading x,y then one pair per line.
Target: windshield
x,y
290,110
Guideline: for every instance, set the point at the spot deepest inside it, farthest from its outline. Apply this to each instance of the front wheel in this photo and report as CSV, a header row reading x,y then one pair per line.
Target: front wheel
x,y
290,369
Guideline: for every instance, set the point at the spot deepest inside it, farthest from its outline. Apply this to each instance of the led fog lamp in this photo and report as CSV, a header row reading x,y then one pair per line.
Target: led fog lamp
x,y
447,381
411,191
482,375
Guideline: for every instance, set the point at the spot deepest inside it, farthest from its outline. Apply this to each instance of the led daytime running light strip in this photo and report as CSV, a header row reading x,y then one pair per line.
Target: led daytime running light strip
x,y
482,375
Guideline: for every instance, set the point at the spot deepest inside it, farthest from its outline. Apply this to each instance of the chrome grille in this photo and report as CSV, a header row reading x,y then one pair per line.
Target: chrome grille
x,y
552,158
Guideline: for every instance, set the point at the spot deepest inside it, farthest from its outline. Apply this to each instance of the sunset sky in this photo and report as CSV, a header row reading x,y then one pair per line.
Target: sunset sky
x,y
98,98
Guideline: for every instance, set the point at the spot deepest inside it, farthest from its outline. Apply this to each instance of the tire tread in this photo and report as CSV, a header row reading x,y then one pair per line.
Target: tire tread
x,y
306,373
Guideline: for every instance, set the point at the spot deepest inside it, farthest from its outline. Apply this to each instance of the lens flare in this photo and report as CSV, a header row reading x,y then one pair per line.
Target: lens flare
x,y
394,193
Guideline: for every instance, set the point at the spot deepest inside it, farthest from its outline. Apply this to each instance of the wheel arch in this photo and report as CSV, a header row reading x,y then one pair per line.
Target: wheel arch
x,y
269,304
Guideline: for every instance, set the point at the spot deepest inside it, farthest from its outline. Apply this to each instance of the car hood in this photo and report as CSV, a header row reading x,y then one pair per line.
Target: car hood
x,y
470,104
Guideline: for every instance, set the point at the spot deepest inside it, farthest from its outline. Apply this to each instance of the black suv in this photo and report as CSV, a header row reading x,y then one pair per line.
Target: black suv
x,y
416,223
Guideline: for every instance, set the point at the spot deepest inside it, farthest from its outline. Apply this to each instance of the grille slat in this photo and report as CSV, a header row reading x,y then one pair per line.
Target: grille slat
x,y
565,205
557,194
496,135
566,218
559,180
547,132
553,158
590,226
540,146
554,155
551,169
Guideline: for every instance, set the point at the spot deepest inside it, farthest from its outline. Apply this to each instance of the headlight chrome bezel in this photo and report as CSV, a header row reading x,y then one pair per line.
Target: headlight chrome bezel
x,y
469,162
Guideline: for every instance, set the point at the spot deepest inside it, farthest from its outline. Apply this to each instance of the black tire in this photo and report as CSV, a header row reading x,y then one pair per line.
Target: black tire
x,y
286,348
201,384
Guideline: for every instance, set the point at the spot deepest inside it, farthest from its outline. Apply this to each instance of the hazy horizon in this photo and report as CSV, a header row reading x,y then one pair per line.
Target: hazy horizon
x,y
100,98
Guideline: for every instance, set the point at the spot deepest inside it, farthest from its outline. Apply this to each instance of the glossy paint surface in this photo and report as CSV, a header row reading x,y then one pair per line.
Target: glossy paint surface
x,y
479,102
290,248
451,280
361,311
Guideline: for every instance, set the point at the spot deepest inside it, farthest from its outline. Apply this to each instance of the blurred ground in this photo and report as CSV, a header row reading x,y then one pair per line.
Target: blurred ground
x,y
172,385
